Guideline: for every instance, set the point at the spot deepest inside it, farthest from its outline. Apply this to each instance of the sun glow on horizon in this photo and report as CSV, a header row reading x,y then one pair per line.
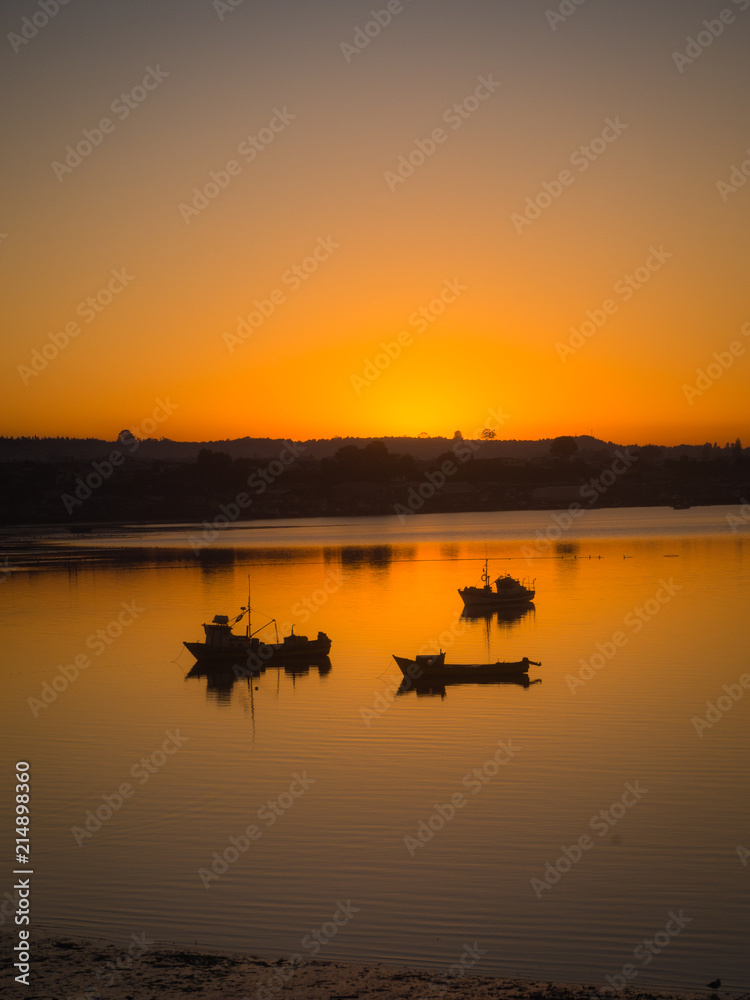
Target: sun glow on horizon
x,y
258,313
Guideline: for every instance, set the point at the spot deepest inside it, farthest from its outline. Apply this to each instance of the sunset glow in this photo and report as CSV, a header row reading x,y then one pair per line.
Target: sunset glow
x,y
327,193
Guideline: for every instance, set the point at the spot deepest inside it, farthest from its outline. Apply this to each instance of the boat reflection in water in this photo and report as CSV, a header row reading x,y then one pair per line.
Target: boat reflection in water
x,y
506,618
221,677
435,688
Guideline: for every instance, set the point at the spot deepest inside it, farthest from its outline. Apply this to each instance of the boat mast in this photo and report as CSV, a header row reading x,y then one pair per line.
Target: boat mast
x,y
486,575
248,605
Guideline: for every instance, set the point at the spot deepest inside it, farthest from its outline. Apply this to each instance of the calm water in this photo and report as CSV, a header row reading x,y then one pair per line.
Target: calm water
x,y
378,587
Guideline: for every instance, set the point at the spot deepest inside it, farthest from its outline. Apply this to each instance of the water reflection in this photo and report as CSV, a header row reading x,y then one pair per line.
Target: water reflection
x,y
505,618
375,782
432,689
222,678
377,556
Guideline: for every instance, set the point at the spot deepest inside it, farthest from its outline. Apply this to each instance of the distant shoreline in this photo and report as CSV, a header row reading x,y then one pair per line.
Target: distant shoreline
x,y
183,543
67,530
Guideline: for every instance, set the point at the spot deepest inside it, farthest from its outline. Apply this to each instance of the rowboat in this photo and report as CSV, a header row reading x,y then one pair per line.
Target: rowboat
x,y
435,668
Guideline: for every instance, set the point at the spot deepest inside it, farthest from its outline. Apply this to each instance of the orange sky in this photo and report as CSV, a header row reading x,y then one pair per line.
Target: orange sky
x,y
629,147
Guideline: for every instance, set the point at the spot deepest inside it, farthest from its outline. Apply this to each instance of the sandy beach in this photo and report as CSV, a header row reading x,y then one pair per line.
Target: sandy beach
x,y
65,968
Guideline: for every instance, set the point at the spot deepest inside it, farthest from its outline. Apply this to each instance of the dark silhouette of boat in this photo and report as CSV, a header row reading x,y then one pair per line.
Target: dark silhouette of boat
x,y
434,668
508,592
222,646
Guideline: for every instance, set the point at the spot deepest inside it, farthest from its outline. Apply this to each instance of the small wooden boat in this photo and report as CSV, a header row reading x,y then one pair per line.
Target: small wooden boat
x,y
435,668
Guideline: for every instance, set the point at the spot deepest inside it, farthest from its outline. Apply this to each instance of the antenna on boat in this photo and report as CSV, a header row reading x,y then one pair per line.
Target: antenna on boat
x,y
248,605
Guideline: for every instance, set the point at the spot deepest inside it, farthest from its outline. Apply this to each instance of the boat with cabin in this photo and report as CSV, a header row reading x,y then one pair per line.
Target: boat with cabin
x,y
508,591
222,646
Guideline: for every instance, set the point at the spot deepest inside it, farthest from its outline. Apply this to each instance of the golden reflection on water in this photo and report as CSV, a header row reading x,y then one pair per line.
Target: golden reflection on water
x,y
381,760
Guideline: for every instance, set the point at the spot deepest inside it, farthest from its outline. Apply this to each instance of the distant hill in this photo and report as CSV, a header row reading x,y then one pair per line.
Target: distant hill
x,y
37,449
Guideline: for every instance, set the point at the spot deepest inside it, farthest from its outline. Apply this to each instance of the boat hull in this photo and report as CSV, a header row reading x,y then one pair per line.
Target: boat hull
x,y
257,655
490,601
465,672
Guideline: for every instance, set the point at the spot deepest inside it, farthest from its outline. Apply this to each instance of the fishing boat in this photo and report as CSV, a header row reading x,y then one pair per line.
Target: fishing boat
x,y
434,668
508,591
221,645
